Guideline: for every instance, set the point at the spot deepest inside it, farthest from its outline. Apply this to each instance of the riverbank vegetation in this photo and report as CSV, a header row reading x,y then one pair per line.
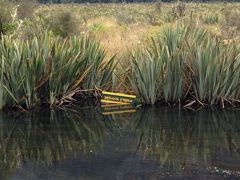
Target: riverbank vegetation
x,y
185,54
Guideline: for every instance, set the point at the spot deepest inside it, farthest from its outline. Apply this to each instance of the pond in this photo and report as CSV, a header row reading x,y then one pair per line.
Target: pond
x,y
151,143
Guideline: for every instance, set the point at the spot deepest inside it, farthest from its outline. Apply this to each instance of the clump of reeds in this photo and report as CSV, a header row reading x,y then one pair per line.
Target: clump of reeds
x,y
51,70
186,65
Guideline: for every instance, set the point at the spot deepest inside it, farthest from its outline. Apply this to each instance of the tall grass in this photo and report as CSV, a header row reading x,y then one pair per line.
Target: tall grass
x,y
182,63
52,70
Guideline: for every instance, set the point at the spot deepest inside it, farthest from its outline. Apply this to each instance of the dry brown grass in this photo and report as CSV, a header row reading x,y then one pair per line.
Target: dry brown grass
x,y
121,27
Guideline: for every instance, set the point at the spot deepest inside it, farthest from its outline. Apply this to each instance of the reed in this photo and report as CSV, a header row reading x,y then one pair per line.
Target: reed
x,y
48,69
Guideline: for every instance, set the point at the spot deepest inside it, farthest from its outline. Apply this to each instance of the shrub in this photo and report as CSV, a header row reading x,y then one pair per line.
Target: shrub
x,y
232,18
179,10
97,27
26,8
7,17
158,6
211,18
124,18
63,23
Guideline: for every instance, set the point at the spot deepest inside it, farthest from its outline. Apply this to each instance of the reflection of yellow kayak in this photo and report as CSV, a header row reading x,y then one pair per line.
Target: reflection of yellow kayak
x,y
117,109
117,98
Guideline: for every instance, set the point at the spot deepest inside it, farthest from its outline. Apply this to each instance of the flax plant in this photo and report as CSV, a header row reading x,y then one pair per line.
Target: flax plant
x,y
183,64
216,72
48,69
144,75
174,66
157,70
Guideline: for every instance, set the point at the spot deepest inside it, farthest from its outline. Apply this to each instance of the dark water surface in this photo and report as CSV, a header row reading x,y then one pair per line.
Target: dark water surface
x,y
152,143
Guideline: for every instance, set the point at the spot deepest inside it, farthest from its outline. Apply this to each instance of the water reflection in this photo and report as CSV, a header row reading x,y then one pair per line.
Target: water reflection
x,y
46,137
181,139
178,140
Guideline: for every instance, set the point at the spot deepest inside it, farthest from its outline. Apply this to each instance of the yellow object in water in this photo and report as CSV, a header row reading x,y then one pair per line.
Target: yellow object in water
x,y
117,98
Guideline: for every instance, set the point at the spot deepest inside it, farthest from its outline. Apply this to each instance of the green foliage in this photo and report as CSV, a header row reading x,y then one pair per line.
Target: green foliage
x,y
144,75
211,18
216,73
185,61
7,17
159,68
179,65
63,23
51,70
97,27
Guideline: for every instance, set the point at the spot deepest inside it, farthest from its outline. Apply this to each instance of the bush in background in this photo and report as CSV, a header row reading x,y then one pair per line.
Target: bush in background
x,y
211,18
7,17
64,24
26,8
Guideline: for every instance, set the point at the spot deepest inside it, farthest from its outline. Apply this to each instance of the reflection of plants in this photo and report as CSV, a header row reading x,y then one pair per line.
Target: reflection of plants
x,y
179,139
49,138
